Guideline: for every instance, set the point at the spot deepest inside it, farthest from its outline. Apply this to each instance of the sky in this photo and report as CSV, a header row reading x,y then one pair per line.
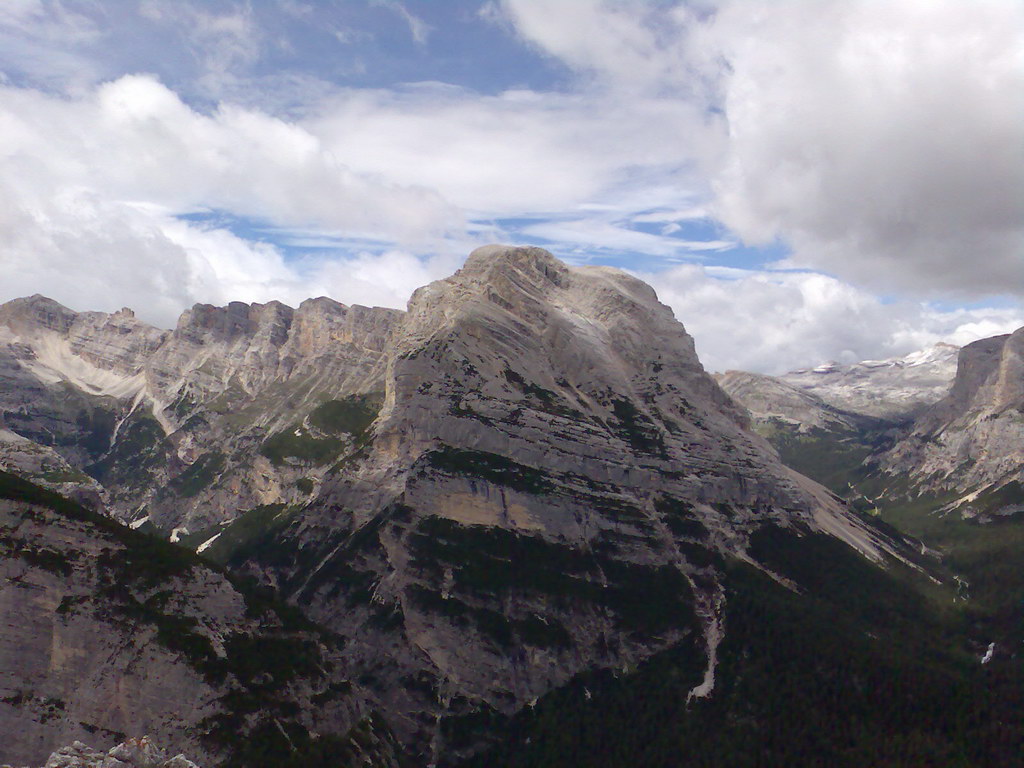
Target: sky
x,y
800,180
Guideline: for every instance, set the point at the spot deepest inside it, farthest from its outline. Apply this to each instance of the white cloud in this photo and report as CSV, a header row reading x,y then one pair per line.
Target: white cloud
x,y
773,322
513,153
882,139
134,139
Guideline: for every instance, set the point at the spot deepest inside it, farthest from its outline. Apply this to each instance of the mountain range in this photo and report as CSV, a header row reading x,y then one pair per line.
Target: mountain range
x,y
515,524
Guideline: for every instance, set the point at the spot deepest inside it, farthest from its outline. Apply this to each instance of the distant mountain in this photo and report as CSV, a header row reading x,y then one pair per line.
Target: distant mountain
x,y
894,389
770,399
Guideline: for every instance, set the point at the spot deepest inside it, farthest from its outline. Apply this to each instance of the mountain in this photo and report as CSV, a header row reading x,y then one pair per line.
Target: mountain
x,y
517,507
895,389
970,442
827,421
951,476
551,483
770,399
236,407
815,438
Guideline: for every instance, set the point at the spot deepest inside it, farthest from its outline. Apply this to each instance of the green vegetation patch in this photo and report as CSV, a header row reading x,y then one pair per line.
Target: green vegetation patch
x,y
138,451
491,562
245,529
296,443
491,467
1008,498
352,416
69,475
833,458
198,475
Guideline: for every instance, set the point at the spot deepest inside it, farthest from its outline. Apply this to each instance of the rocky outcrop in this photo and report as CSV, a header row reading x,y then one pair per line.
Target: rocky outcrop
x,y
44,466
174,426
104,631
134,753
969,443
895,389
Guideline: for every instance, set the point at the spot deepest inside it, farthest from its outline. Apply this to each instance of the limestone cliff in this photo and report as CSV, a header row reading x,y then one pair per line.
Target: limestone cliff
x,y
236,407
969,443
104,632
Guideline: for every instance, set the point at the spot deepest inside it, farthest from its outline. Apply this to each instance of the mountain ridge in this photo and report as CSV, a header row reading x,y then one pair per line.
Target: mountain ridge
x,y
525,477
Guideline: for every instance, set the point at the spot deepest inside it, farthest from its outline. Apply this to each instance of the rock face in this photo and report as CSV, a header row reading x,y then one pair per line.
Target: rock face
x,y
104,631
970,442
175,425
895,389
551,484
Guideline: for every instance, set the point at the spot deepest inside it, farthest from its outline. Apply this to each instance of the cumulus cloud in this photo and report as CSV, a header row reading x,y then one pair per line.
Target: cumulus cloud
x,y
773,322
93,188
881,140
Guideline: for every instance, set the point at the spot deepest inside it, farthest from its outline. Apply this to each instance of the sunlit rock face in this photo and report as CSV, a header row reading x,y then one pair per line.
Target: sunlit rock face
x,y
171,427
969,444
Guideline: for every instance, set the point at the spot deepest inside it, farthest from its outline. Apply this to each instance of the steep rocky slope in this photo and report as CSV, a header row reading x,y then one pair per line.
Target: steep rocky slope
x,y
104,631
553,483
236,407
970,442
895,389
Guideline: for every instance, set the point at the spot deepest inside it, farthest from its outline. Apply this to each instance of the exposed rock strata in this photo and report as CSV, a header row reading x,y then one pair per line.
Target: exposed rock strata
x,y
527,475
173,424
969,443
105,632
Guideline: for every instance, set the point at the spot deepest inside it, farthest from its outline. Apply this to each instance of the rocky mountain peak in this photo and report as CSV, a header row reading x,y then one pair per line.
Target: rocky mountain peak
x,y
236,320
35,313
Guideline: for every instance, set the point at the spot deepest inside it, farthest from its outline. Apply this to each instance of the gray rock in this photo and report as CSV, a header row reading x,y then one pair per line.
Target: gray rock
x,y
970,442
895,389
